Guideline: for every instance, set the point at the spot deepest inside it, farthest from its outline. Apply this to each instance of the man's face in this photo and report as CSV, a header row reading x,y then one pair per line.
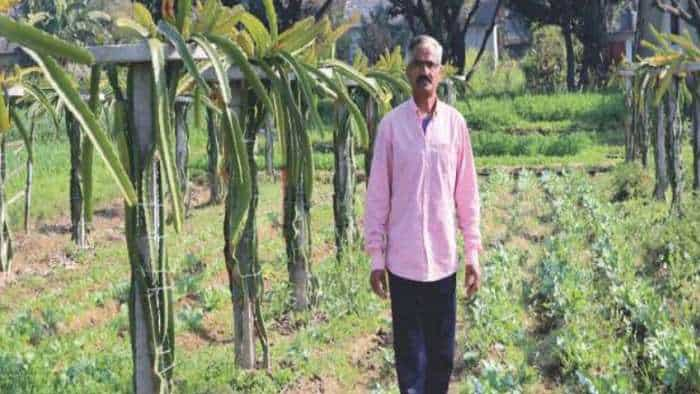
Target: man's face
x,y
424,71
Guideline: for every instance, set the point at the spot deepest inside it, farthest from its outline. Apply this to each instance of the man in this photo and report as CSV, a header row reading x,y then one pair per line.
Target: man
x,y
422,175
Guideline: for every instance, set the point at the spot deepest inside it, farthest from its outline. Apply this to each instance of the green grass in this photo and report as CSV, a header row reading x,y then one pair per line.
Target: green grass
x,y
546,114
532,328
499,144
50,192
45,349
594,155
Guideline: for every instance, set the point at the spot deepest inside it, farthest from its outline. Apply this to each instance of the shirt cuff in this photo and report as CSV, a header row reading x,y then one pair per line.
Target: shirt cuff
x,y
378,260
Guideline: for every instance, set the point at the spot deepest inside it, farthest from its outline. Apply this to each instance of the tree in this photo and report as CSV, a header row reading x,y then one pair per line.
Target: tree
x,y
690,14
583,19
593,33
378,35
559,13
447,21
288,11
84,22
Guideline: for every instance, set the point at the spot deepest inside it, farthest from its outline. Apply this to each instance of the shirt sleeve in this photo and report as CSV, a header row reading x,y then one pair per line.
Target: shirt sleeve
x,y
467,195
378,198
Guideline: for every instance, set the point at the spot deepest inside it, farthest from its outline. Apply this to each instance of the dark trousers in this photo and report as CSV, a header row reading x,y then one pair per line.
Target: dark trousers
x,y
423,320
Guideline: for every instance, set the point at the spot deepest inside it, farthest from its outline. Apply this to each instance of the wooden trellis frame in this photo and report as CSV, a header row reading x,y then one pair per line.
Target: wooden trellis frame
x,y
667,153
138,58
79,230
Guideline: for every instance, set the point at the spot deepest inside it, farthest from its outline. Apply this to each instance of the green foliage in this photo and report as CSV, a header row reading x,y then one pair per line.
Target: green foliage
x,y
35,328
82,21
191,318
545,113
212,298
87,374
675,351
494,378
603,303
620,309
597,108
28,373
499,144
507,79
377,34
18,374
545,64
630,180
120,292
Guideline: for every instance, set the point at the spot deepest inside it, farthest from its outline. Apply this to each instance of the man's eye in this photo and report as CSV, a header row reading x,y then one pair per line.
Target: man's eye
x,y
421,64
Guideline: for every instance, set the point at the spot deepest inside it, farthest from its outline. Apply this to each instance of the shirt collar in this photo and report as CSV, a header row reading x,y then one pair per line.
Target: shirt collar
x,y
414,107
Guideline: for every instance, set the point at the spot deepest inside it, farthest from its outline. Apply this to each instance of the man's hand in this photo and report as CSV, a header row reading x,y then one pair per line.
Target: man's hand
x,y
472,277
378,281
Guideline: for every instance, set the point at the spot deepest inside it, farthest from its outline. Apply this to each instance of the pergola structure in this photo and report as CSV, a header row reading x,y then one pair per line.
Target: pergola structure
x,y
145,323
137,57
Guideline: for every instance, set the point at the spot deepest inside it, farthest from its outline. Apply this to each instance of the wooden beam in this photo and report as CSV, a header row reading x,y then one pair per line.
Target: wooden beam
x,y
689,67
15,57
15,91
136,53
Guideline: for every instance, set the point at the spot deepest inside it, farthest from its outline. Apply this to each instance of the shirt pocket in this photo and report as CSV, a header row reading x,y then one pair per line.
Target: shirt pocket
x,y
408,159
442,156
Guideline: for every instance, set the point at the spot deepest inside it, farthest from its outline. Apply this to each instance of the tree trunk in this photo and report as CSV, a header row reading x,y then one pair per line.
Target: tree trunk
x,y
343,182
29,179
6,251
673,140
297,217
248,249
77,206
372,123
644,9
182,149
269,146
298,237
214,157
458,51
150,304
240,262
450,92
484,42
674,136
570,59
88,150
660,154
593,34
630,121
644,133
696,142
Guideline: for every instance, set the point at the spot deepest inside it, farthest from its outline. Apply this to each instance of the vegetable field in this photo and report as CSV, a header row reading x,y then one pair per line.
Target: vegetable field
x,y
571,300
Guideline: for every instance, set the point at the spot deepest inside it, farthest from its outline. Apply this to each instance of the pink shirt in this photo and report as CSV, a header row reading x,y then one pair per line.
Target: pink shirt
x,y
419,186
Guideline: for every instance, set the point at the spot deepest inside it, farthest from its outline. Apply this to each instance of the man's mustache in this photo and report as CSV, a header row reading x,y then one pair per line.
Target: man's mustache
x,y
424,78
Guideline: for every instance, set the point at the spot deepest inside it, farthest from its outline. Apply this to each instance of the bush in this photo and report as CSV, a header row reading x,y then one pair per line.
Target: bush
x,y
507,79
594,108
191,318
500,144
566,145
490,114
630,180
545,63
546,114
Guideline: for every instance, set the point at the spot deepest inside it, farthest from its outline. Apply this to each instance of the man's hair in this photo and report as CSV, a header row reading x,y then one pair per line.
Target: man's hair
x,y
424,40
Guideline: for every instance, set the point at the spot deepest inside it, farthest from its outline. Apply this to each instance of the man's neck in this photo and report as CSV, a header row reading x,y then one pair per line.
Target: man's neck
x,y
425,104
